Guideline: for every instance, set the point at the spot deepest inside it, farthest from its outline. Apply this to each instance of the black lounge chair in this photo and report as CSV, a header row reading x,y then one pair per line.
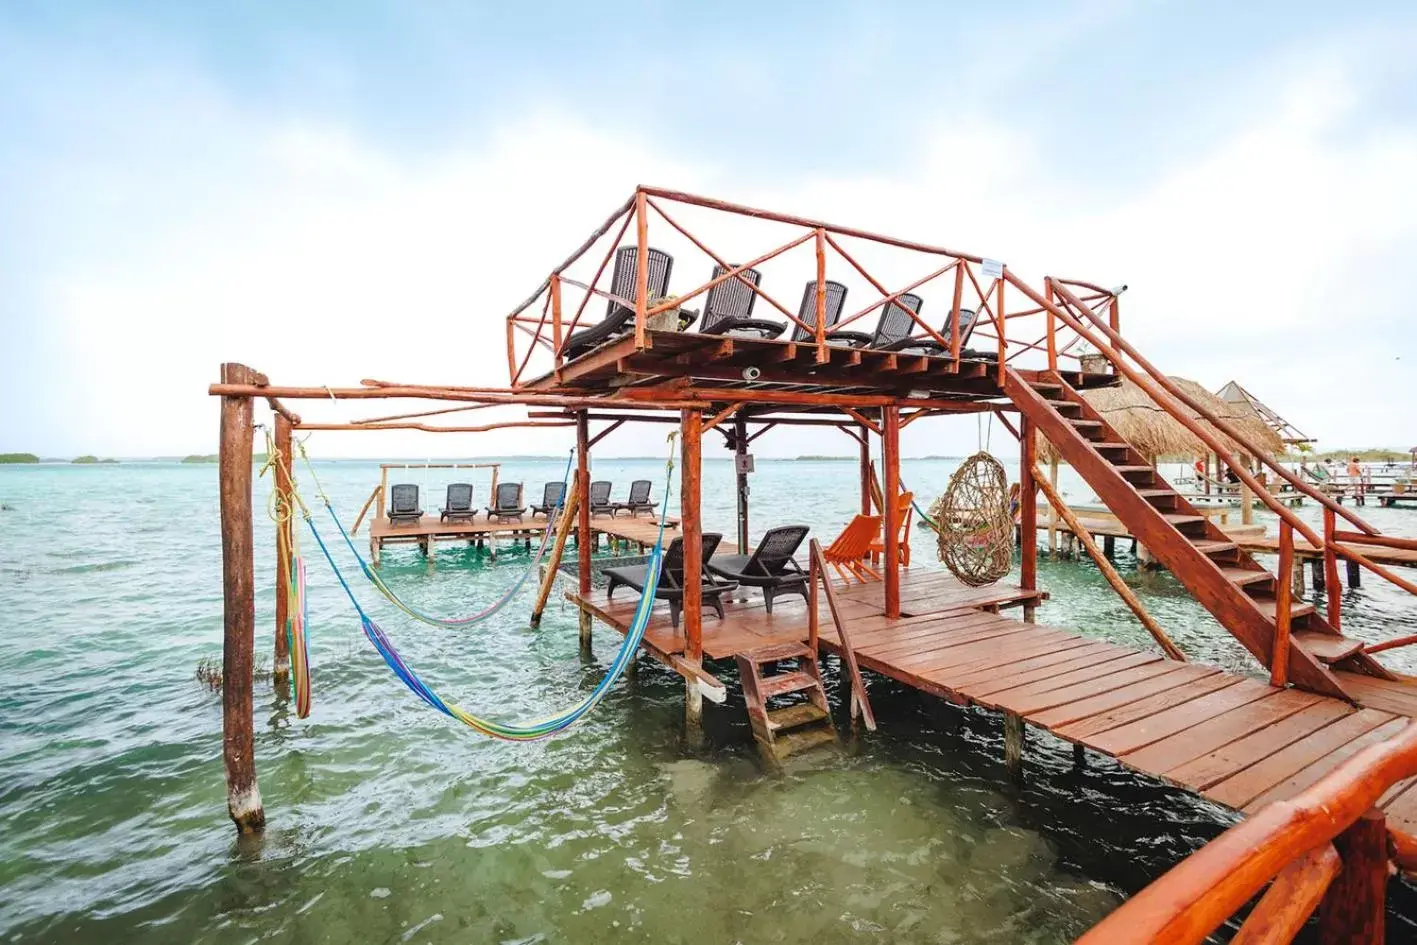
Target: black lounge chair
x,y
620,318
600,503
729,308
894,325
508,504
403,504
770,566
459,504
638,501
927,345
807,312
552,495
671,578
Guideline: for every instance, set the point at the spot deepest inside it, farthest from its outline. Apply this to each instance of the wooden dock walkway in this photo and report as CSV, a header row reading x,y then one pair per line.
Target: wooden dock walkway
x,y
1232,739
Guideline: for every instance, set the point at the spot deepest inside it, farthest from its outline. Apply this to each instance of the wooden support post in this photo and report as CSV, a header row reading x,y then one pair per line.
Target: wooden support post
x,y
691,529
1316,572
1279,654
740,454
1013,746
550,569
1052,325
582,486
243,795
1296,577
1027,512
282,473
1109,546
1355,573
820,316
641,271
1354,910
890,514
865,464
1079,755
1247,498
1335,592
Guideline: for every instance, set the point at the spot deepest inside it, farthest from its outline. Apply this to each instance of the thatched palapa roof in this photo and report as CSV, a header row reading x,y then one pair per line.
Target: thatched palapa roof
x,y
1154,432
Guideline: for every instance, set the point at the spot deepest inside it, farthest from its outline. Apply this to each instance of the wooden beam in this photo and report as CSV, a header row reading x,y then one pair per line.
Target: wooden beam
x,y
691,528
563,529
740,453
890,460
1354,911
1028,509
243,795
582,487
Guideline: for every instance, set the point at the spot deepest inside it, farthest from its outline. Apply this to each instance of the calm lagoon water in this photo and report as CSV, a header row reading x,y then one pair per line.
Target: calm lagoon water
x,y
388,823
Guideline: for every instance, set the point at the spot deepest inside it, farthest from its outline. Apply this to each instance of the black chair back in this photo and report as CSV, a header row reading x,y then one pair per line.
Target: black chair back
x,y
624,279
509,495
552,494
896,321
730,300
836,298
403,498
459,497
639,491
776,549
600,492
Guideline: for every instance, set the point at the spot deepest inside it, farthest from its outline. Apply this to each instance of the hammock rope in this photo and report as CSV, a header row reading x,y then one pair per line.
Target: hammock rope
x,y
527,731
383,588
280,508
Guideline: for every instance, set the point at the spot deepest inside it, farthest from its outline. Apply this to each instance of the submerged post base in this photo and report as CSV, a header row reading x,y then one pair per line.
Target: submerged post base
x,y
1013,746
246,810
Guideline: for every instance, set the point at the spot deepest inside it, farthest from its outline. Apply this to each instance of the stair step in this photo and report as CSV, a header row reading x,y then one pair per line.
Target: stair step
x,y
784,683
1210,546
1182,518
1060,404
1243,576
1155,493
795,716
1134,470
1085,423
791,743
1110,446
775,652
1298,608
1326,647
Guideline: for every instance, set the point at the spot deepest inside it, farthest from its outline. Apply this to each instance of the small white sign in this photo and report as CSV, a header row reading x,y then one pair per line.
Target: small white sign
x,y
992,268
744,463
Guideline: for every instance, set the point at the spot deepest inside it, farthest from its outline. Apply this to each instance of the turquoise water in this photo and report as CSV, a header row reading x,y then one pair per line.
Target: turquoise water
x,y
388,823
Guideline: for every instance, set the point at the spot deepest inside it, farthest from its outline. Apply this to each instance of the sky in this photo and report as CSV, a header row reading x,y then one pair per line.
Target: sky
x,y
330,192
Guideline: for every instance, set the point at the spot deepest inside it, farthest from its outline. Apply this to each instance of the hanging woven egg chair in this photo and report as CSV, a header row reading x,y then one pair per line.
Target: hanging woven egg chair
x,y
974,524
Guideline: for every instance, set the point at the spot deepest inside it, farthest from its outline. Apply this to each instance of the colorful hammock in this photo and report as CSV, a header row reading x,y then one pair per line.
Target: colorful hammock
x,y
528,731
281,507
373,576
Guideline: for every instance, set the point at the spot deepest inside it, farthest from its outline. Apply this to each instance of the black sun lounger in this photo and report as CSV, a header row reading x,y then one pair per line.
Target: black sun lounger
x,y
807,311
638,501
894,326
967,321
458,504
770,566
671,578
403,504
508,504
729,308
600,503
620,317
552,495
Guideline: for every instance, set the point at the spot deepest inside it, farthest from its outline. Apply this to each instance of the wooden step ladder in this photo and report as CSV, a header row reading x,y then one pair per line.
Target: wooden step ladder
x,y
1237,590
786,729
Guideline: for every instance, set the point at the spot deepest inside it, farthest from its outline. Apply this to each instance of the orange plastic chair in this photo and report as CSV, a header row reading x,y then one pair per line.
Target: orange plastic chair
x,y
904,509
848,553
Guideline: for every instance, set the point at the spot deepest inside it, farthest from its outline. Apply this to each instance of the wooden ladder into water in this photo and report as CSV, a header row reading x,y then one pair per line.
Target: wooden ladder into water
x,y
792,728
1237,590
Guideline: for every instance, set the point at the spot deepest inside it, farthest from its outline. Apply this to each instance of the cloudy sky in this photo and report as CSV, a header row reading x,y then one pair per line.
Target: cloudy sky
x,y
337,191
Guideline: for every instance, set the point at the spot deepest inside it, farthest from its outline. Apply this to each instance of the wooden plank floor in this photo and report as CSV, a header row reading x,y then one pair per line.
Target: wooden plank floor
x,y
1232,739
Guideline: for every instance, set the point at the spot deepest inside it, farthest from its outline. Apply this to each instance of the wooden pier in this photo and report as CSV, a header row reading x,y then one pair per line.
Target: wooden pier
x,y
1231,739
426,532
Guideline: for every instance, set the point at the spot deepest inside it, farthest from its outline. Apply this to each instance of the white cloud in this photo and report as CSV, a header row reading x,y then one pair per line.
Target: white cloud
x,y
321,258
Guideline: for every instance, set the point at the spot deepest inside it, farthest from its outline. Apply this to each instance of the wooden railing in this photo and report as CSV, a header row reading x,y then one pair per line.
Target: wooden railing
x,y
1075,313
817,573
1326,848
977,283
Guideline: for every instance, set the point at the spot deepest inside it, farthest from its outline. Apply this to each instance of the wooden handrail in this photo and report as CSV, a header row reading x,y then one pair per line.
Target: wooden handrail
x,y
378,490
1220,424
817,571
1105,566
1192,899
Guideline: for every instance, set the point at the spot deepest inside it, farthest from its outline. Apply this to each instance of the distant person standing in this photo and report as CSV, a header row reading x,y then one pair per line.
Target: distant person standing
x,y
1355,475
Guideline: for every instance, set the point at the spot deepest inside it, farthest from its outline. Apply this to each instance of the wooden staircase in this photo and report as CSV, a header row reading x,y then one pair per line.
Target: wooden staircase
x,y
787,729
1228,582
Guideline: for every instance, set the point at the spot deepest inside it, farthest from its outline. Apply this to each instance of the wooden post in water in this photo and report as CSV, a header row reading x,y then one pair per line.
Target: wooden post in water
x,y
1013,746
740,454
1354,910
238,565
569,510
691,529
286,510
582,488
890,513
1052,512
1027,512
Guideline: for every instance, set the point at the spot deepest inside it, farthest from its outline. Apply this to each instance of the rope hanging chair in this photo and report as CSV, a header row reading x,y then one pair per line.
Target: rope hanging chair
x,y
974,524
